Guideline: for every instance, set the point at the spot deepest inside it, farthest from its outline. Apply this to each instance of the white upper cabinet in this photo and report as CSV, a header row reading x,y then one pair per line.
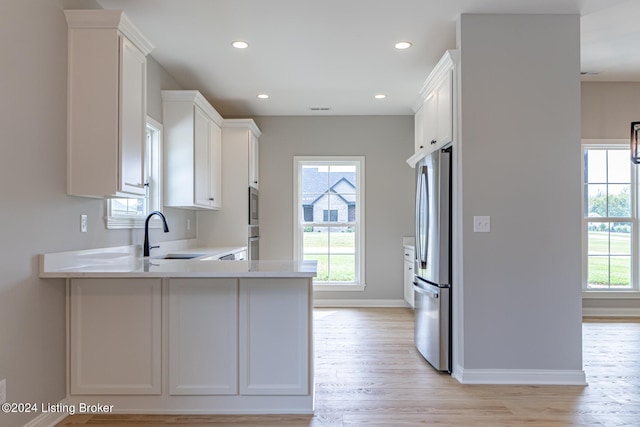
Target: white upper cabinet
x,y
434,111
106,104
242,149
193,151
254,151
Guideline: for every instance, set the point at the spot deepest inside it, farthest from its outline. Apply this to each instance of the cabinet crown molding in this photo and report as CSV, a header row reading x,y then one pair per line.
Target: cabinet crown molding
x,y
108,19
197,98
244,124
446,63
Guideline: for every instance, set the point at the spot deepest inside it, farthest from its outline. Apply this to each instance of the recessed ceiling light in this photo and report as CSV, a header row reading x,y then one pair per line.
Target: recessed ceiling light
x,y
239,44
403,45
263,96
380,96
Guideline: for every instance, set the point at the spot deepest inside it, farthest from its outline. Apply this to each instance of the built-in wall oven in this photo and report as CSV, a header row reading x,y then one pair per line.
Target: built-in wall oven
x,y
253,206
254,240
254,231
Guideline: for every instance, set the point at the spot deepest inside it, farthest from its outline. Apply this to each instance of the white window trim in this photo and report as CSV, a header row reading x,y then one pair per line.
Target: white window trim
x,y
634,292
298,213
115,222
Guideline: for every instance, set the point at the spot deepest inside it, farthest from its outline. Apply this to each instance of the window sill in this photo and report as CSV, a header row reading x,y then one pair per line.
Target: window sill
x,y
123,222
611,294
329,287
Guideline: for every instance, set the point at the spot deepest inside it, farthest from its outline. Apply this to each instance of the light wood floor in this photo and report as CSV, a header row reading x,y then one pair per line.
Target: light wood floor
x,y
368,373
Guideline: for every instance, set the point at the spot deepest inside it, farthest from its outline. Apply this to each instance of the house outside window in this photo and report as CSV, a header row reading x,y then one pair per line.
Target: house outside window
x,y
329,219
131,213
610,219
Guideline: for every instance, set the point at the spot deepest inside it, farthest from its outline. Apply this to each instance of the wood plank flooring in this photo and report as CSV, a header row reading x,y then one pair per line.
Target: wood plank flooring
x,y
368,373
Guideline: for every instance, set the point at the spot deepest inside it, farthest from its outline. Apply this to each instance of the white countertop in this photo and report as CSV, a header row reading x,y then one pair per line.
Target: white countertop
x,y
124,261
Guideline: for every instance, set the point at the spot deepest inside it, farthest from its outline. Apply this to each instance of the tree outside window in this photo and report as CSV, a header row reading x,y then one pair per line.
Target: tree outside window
x,y
608,218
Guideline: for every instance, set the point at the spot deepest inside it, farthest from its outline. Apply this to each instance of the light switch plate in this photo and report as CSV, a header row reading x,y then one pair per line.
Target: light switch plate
x,y
481,224
83,223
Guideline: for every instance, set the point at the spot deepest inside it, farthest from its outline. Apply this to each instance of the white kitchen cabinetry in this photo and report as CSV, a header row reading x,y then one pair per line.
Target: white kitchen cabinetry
x,y
106,104
222,330
230,226
241,139
254,150
419,127
434,118
192,151
203,336
276,347
115,336
409,265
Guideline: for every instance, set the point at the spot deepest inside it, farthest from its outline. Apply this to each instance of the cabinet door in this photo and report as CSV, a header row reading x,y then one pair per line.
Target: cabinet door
x,y
408,283
203,336
115,333
253,160
202,155
445,109
419,128
132,116
430,108
215,166
275,336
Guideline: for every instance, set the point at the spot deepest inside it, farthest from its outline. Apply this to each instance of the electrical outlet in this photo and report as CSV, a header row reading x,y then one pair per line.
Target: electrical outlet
x,y
3,391
481,224
83,223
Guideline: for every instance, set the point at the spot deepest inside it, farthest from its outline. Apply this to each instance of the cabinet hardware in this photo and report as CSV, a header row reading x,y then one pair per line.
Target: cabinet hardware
x,y
138,185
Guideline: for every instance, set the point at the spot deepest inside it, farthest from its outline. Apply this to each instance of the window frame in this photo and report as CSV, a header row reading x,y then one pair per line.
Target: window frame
x,y
299,224
153,171
634,290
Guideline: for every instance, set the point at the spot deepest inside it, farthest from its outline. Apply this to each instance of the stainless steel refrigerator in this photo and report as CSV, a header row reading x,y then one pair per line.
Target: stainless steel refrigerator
x,y
432,281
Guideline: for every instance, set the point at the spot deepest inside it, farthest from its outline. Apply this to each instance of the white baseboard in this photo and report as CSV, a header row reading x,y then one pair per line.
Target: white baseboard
x,y
373,303
522,376
610,312
49,419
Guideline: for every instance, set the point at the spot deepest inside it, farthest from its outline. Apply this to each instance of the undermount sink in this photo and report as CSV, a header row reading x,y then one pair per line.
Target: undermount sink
x,y
179,256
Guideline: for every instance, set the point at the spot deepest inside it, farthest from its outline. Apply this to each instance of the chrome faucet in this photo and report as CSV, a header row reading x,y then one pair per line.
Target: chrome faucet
x,y
147,247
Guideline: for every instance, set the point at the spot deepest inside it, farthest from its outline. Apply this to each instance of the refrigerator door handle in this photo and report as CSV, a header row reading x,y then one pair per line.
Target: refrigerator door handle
x,y
426,291
422,217
418,199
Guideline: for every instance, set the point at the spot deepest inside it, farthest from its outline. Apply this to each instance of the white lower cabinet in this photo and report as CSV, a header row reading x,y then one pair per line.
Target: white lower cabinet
x,y
275,345
192,345
409,265
115,336
203,336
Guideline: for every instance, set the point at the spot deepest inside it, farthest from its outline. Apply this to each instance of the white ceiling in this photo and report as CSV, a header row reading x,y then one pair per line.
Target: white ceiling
x,y
340,53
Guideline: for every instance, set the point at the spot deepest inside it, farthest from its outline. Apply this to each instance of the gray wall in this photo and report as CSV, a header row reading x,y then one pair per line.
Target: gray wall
x,y
37,215
386,142
608,108
520,136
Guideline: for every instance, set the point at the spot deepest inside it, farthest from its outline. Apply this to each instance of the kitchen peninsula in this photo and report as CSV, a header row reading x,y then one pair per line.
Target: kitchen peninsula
x,y
186,332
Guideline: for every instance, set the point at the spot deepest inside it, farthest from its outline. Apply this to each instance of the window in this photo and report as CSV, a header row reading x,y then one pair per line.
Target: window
x,y
131,213
609,219
329,213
